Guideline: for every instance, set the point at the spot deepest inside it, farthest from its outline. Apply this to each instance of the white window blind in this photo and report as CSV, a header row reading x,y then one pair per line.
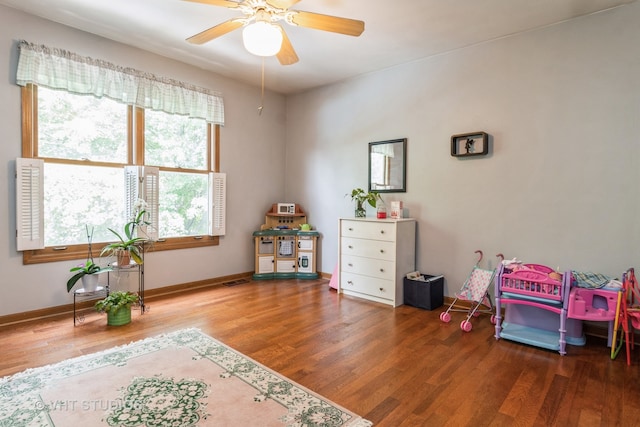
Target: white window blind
x,y
61,69
29,204
142,182
218,201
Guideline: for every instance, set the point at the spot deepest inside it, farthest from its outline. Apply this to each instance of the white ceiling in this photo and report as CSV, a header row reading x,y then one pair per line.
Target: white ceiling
x,y
395,32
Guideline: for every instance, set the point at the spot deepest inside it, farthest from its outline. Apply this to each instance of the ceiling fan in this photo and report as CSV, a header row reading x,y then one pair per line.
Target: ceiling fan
x,y
263,15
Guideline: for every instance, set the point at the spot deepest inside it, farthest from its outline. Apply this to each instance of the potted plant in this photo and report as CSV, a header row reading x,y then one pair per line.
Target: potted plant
x,y
130,245
360,196
117,305
87,271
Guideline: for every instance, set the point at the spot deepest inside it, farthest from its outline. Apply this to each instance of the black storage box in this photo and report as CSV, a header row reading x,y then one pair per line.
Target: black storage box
x,y
427,293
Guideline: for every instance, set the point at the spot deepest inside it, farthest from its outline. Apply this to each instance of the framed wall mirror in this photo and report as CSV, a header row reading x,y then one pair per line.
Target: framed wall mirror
x,y
387,166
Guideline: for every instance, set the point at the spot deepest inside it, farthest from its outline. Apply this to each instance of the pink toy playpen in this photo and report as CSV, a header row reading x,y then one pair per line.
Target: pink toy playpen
x,y
530,285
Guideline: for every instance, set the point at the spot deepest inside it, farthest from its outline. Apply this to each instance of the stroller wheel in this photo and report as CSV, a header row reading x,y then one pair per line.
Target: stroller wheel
x,y
445,317
466,326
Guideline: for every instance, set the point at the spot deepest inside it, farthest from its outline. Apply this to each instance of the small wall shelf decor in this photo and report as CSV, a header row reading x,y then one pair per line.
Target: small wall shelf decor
x,y
470,144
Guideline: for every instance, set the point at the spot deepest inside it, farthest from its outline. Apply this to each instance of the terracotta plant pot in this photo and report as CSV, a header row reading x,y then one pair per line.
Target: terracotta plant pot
x,y
123,258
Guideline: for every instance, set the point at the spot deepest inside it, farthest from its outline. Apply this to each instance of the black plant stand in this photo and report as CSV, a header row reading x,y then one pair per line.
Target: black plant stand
x,y
82,295
132,267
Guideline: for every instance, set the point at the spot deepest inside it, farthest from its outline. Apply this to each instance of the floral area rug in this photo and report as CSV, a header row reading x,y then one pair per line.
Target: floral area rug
x,y
184,378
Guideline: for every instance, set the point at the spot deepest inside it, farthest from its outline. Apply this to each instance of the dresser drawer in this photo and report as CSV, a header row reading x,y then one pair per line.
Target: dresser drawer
x,y
378,249
379,288
375,254
371,267
369,230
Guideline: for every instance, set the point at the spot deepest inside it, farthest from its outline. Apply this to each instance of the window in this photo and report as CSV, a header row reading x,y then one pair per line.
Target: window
x,y
178,146
83,129
88,145
97,136
80,127
75,196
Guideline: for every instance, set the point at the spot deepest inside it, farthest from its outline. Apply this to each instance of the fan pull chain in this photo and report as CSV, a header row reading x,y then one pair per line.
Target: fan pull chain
x,y
262,91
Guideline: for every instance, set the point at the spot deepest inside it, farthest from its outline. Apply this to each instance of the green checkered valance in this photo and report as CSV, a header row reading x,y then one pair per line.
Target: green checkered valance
x,y
61,69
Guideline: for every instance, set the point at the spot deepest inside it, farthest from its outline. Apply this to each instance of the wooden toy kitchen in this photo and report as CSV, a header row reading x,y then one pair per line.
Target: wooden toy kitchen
x,y
285,246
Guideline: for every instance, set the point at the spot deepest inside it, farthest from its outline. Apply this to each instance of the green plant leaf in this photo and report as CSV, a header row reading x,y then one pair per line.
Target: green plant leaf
x,y
136,257
73,280
116,233
115,300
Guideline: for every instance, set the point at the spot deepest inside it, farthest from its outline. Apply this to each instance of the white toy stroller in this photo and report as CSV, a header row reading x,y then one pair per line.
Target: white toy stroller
x,y
476,290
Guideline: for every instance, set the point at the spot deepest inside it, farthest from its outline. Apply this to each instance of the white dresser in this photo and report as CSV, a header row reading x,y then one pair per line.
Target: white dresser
x,y
375,255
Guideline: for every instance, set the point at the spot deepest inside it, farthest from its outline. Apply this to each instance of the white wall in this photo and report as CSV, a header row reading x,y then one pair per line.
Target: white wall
x,y
249,143
560,184
559,188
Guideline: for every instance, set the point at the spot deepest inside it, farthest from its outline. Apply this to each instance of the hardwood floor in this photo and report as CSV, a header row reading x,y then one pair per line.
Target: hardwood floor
x,y
395,367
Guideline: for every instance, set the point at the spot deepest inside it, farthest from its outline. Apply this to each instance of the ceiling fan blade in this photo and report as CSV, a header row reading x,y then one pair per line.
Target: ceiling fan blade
x,y
223,3
287,55
350,27
217,31
282,4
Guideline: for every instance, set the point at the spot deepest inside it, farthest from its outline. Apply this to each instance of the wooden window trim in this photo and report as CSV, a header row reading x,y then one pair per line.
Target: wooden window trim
x,y
74,252
135,115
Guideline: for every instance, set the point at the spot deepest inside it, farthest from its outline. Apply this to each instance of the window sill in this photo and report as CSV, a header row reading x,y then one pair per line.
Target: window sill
x,y
74,252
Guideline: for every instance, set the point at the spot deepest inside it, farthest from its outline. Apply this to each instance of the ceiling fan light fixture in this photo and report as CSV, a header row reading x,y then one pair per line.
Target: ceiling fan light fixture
x,y
262,38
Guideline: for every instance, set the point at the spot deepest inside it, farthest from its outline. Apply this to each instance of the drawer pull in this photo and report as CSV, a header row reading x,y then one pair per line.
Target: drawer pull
x,y
349,282
350,265
350,229
350,247
381,289
381,251
381,231
382,270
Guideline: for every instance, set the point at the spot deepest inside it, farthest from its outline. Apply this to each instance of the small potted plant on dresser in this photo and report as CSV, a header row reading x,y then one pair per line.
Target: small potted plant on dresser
x,y
360,196
117,305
